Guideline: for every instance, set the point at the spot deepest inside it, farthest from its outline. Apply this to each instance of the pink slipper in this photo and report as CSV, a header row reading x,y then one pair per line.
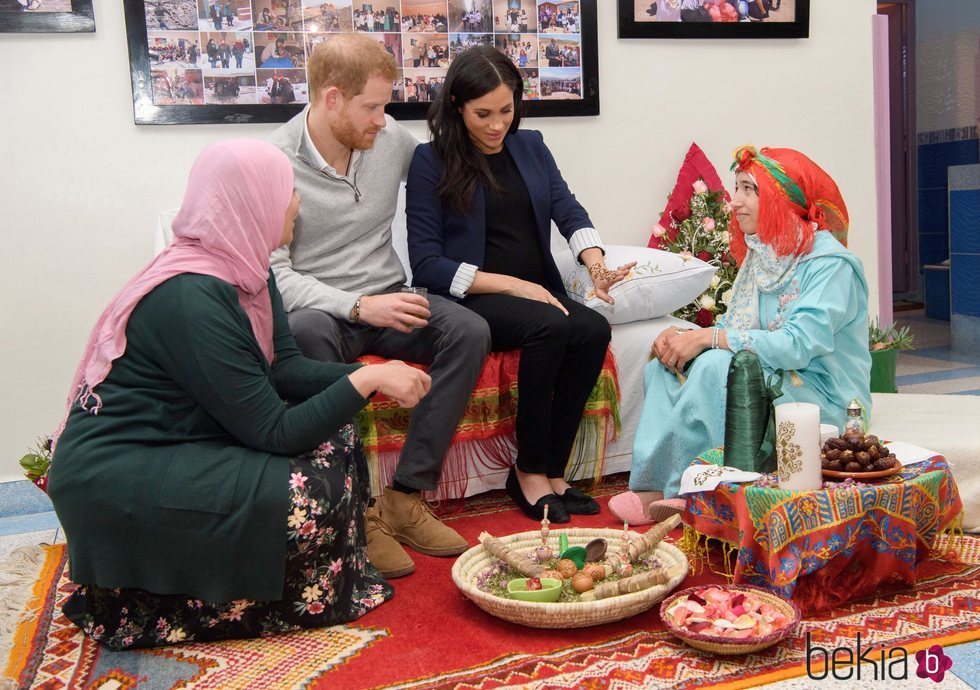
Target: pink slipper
x,y
627,507
663,509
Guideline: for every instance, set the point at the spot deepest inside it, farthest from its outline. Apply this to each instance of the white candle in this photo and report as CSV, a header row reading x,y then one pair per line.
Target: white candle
x,y
798,446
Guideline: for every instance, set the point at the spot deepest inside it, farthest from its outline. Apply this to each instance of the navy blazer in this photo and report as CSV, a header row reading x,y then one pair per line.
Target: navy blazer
x,y
440,239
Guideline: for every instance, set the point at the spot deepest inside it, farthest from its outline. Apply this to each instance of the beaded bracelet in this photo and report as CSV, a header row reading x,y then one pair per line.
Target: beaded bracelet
x,y
714,338
355,313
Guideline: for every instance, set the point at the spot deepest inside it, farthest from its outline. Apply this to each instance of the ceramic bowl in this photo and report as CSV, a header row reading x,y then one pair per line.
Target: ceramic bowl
x,y
550,590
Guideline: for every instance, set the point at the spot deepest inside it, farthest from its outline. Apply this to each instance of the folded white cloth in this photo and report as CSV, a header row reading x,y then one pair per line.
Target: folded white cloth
x,y
908,453
707,477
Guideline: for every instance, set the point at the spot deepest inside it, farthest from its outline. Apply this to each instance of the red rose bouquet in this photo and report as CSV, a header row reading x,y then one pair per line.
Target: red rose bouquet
x,y
700,229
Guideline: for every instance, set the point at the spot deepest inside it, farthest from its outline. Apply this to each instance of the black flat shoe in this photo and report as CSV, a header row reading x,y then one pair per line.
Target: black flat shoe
x,y
557,512
578,503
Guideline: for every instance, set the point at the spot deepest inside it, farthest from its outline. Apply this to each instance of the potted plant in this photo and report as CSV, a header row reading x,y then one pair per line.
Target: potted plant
x,y
884,344
37,461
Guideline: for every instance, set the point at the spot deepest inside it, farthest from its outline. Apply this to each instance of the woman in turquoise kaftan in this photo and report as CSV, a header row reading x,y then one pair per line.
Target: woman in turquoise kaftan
x,y
800,303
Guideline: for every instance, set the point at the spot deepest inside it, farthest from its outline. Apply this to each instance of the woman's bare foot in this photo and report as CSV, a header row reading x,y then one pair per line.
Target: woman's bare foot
x,y
533,486
559,486
648,497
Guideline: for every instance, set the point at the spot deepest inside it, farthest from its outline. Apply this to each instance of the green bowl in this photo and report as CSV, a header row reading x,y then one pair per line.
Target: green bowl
x,y
550,590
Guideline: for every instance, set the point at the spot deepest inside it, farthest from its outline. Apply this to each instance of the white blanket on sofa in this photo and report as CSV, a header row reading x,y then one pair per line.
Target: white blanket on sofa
x,y
946,424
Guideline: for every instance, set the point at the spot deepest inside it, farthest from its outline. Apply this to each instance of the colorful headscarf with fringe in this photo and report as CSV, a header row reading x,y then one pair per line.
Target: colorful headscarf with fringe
x,y
796,198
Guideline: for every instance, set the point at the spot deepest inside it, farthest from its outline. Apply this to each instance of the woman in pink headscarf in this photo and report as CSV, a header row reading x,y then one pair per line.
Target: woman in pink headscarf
x,y
206,474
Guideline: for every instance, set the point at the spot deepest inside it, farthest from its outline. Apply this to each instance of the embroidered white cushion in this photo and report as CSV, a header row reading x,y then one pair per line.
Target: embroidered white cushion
x,y
660,283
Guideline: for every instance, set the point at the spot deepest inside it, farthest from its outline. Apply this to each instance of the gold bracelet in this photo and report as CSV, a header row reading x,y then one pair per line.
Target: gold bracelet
x,y
355,313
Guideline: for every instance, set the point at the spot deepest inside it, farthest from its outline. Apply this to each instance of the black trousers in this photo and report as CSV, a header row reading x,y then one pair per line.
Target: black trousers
x,y
561,358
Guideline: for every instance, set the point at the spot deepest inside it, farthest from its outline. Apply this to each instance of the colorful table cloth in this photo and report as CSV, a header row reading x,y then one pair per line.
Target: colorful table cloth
x,y
484,437
825,547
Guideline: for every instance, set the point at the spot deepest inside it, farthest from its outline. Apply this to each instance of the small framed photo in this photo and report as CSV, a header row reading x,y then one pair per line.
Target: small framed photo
x,y
46,16
714,18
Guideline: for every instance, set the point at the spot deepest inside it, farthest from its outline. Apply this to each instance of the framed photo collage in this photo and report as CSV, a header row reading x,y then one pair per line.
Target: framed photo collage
x,y
202,61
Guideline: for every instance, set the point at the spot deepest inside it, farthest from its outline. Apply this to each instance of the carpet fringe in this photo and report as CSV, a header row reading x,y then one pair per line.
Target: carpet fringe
x,y
18,577
949,543
696,547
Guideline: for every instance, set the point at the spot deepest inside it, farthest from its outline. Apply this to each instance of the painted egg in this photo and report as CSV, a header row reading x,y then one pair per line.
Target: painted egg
x,y
567,568
595,571
581,582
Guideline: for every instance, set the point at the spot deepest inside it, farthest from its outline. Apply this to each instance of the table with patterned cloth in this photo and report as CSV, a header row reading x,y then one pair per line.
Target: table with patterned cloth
x,y
823,548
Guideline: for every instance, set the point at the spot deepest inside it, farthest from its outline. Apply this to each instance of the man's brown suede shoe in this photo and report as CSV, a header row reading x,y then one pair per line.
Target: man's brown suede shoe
x,y
412,523
383,552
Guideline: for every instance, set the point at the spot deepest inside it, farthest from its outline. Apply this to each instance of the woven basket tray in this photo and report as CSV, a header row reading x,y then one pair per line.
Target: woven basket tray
x,y
721,645
476,561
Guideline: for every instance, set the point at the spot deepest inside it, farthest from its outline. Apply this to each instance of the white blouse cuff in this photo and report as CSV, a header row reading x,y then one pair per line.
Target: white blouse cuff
x,y
582,239
465,275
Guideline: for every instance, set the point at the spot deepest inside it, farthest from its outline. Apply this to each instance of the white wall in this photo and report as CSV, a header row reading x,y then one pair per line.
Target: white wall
x,y
81,185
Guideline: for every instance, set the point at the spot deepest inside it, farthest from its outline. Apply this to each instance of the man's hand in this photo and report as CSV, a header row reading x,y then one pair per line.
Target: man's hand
x,y
402,311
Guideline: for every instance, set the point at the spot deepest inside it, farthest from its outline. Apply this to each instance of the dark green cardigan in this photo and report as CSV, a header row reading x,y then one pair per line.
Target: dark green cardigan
x,y
180,484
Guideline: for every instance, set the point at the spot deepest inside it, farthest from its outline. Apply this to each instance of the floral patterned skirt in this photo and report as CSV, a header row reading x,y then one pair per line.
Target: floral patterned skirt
x,y
327,581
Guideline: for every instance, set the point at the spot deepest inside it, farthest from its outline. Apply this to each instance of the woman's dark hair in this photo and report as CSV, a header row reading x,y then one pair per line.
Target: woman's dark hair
x,y
472,74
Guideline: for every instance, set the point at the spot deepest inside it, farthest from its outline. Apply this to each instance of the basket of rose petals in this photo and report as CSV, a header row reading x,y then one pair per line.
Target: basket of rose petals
x,y
729,619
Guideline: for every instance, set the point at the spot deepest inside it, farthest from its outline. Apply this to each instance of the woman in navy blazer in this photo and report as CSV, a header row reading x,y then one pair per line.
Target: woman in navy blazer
x,y
481,198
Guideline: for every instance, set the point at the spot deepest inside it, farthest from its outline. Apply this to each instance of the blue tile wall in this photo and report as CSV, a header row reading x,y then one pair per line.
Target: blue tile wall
x,y
964,334
935,158
964,221
935,285
964,280
933,210
933,247
22,498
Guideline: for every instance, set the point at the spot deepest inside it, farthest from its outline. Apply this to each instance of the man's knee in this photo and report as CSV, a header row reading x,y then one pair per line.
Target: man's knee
x,y
474,331
463,329
317,334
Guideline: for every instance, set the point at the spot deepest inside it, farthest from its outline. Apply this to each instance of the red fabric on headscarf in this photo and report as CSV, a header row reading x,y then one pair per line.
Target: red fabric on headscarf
x,y
784,225
229,223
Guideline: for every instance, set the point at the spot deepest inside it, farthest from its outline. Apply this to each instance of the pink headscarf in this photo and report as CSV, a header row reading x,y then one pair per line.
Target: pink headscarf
x,y
229,223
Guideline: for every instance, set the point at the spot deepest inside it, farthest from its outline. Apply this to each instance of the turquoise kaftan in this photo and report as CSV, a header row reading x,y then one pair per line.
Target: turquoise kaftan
x,y
816,330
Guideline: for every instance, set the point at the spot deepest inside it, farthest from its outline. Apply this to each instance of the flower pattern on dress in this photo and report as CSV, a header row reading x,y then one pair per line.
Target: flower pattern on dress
x,y
327,577
785,300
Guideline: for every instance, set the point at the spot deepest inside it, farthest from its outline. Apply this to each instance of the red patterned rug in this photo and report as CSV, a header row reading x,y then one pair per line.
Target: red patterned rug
x,y
430,636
